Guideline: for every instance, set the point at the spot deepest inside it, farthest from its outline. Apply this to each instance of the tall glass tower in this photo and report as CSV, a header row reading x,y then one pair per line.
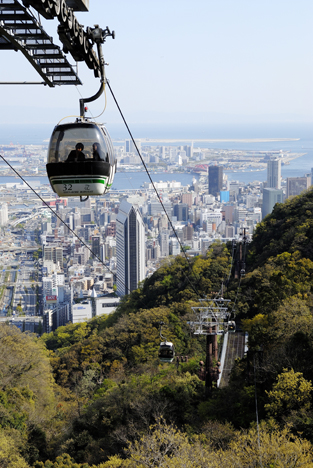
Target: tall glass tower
x,y
274,173
130,248
271,196
95,245
215,180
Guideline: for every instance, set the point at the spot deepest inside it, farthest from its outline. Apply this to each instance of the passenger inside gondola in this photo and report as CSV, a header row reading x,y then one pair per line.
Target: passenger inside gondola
x,y
81,153
76,154
96,152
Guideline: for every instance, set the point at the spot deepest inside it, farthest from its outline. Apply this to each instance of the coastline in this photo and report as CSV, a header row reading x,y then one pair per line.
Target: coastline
x,y
257,168
213,140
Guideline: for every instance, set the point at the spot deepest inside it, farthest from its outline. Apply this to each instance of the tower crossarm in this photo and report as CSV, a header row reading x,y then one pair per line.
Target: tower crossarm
x,y
211,319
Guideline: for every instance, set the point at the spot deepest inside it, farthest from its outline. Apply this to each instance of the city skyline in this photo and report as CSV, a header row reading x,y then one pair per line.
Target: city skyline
x,y
129,233
206,62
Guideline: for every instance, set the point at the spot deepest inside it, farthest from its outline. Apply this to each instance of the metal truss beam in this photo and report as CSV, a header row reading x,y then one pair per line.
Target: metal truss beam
x,y
20,30
211,319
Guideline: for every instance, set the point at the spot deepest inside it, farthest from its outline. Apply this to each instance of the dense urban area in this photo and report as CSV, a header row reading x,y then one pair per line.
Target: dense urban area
x,y
65,260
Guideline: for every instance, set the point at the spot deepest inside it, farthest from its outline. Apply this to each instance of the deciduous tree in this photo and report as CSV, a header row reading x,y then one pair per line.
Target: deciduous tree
x,y
290,392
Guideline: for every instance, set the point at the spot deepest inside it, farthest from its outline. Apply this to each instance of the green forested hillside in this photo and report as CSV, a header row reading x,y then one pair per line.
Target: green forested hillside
x,y
95,394
289,228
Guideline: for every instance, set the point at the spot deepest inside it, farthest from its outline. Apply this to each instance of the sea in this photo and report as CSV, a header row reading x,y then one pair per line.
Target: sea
x,y
295,137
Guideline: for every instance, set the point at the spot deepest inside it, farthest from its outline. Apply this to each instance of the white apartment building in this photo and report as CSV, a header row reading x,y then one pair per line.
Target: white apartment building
x,y
211,217
93,307
4,214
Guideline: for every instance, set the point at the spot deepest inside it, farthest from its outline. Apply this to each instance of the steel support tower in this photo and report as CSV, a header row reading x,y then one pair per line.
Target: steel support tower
x,y
211,320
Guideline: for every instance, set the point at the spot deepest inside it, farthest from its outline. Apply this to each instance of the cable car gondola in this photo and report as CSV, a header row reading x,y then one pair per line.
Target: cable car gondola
x,y
81,159
166,351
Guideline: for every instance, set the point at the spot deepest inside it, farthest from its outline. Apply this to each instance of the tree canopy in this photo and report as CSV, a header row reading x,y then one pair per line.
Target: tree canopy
x,y
94,394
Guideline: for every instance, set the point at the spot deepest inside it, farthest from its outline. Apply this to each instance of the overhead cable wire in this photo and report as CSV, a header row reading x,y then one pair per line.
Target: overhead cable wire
x,y
66,225
153,185
62,221
160,200
256,411
231,263
236,297
243,260
220,292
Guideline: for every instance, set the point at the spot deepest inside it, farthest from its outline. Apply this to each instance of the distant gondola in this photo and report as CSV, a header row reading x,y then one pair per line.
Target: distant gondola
x,y
166,351
81,159
231,326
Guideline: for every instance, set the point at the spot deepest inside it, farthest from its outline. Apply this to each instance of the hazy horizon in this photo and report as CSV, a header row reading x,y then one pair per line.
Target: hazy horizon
x,y
207,61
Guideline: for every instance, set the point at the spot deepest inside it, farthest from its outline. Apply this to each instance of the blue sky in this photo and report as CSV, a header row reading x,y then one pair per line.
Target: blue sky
x,y
180,61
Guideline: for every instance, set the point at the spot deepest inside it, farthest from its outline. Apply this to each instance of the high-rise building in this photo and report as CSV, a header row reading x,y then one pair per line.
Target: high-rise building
x,y
187,198
271,196
54,254
224,194
77,220
71,221
229,213
274,173
155,207
240,214
164,243
229,231
58,253
214,216
215,180
189,150
131,148
81,256
130,248
188,232
181,211
174,246
110,230
4,214
296,185
162,222
95,245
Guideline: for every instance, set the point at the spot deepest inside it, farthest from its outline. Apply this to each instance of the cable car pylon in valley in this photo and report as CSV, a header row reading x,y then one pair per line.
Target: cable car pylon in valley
x,y
211,320
81,160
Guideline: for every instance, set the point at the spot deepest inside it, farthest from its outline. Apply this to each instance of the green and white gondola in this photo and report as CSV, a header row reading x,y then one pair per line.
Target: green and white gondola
x,y
81,173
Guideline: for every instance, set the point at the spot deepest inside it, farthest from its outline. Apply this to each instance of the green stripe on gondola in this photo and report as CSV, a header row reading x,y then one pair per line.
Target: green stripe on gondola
x,y
78,181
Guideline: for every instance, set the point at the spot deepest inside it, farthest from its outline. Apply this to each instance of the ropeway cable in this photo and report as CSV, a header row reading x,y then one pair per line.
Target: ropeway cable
x,y
231,263
62,221
220,292
239,282
159,198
